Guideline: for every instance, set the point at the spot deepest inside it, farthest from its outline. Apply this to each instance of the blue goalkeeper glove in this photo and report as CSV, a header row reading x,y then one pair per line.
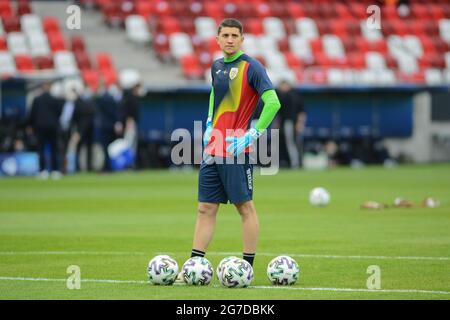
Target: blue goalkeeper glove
x,y
239,144
208,131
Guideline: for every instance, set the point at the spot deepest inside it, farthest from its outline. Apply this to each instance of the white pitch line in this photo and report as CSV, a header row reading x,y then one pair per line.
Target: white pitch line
x,y
326,256
354,290
251,287
44,253
299,255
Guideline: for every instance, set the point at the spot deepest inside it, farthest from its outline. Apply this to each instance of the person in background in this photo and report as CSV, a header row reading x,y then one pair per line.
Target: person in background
x,y
130,115
43,121
291,119
84,122
107,121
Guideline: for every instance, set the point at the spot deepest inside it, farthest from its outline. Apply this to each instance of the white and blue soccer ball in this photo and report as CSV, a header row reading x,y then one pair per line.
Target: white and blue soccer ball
x,y
319,197
162,270
283,270
236,273
222,262
197,271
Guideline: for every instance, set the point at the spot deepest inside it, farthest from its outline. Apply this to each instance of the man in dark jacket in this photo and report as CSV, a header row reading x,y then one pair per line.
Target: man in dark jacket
x,y
84,121
108,122
292,118
43,121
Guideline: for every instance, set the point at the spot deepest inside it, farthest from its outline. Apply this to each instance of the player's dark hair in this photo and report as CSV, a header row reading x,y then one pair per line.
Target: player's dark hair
x,y
231,23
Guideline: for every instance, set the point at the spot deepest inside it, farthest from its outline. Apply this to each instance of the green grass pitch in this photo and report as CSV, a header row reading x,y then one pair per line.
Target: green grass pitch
x,y
112,225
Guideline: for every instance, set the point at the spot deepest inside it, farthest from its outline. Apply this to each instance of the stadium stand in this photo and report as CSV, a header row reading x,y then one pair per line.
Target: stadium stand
x,y
320,41
317,42
32,44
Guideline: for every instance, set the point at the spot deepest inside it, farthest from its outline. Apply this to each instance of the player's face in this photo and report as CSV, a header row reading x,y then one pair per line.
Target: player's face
x,y
230,40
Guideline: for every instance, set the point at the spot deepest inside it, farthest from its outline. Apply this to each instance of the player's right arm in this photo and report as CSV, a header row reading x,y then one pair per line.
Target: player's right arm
x,y
208,131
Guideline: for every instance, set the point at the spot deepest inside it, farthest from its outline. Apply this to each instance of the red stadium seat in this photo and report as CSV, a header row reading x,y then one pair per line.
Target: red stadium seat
x,y
56,41
295,10
436,11
11,24
144,8
263,10
24,63
43,62
3,44
90,77
293,61
83,60
104,61
50,24
6,10
77,44
420,11
357,60
109,76
254,26
161,46
168,25
162,8
23,7
191,67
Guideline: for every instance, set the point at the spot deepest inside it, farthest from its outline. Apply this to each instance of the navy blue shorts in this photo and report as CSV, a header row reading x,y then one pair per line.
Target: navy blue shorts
x,y
219,182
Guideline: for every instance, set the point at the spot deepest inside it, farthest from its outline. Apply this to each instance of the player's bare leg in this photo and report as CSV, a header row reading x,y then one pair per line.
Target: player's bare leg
x,y
204,231
205,226
250,229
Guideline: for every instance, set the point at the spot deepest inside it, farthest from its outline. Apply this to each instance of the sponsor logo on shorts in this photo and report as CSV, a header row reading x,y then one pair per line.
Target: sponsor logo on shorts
x,y
249,179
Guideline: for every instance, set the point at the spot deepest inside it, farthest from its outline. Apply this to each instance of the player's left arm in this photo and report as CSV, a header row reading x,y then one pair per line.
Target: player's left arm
x,y
270,109
262,84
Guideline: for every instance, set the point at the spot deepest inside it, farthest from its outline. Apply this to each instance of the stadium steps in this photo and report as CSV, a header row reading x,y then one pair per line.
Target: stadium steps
x,y
100,38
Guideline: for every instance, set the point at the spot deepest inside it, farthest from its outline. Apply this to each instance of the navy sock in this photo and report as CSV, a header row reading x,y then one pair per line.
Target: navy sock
x,y
197,253
249,257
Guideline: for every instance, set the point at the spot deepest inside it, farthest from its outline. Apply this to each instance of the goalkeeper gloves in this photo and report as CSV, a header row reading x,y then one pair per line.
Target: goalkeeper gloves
x,y
239,144
208,131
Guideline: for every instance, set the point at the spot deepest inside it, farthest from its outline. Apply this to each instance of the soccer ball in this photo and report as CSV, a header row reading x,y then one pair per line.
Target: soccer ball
x,y
163,270
319,197
236,273
283,270
222,262
197,271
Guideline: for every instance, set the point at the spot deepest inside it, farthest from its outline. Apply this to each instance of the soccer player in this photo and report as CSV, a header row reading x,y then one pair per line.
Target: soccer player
x,y
238,82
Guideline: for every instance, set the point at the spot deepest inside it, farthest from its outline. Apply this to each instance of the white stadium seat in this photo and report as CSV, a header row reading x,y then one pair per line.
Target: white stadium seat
x,y
307,28
447,60
17,43
433,77
30,22
300,47
7,64
333,46
412,44
38,43
180,44
137,29
375,60
250,45
444,29
205,27
274,28
370,34
65,63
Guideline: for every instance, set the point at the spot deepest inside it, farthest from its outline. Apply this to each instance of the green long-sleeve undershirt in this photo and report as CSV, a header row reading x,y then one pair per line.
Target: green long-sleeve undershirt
x,y
270,109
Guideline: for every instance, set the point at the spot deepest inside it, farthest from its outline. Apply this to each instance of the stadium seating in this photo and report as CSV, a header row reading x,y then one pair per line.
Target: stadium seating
x,y
32,44
320,41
